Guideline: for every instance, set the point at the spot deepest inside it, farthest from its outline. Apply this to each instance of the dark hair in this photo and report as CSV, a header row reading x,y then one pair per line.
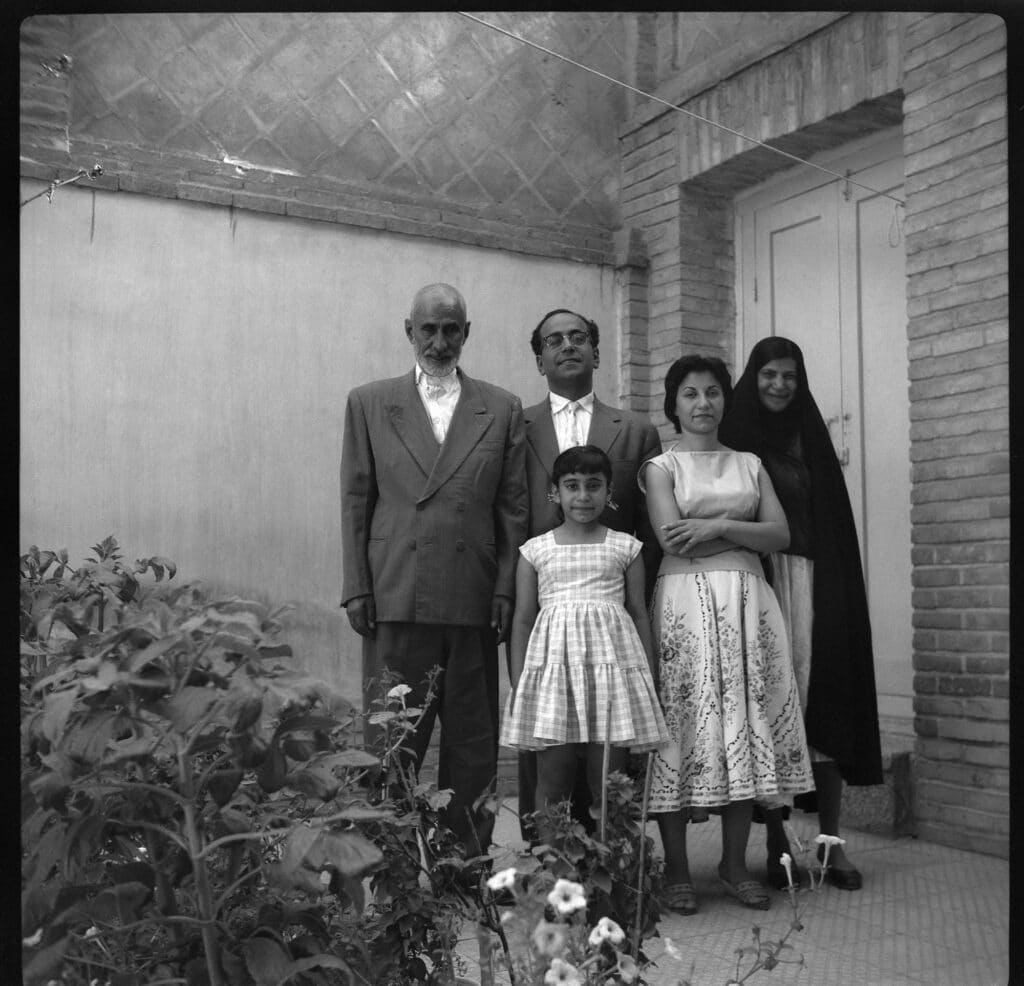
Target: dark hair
x,y
535,341
681,369
586,459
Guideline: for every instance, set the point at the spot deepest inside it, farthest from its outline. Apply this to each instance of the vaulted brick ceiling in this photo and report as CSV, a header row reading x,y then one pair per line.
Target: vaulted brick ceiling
x,y
429,106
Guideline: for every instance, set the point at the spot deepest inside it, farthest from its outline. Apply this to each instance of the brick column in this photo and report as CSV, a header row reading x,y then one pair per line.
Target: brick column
x,y
957,286
631,296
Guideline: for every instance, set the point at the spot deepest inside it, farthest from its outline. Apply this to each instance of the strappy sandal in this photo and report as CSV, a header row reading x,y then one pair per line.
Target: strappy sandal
x,y
748,892
681,898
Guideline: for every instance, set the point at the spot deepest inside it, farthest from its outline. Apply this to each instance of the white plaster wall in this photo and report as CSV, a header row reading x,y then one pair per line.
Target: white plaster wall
x,y
184,370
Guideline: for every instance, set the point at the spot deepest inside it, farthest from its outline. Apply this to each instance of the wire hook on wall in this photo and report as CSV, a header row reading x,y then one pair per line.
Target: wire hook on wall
x,y
93,173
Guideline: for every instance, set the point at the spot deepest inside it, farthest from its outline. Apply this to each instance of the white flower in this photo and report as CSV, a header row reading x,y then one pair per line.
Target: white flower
x,y
567,897
92,932
399,692
627,968
562,974
502,880
33,940
672,950
607,930
787,863
829,840
549,939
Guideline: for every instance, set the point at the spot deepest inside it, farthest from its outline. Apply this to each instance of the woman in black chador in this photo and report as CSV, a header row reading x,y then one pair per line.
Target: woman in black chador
x,y
820,585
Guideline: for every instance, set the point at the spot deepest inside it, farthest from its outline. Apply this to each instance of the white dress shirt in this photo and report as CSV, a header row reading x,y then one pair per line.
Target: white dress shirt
x,y
439,396
571,428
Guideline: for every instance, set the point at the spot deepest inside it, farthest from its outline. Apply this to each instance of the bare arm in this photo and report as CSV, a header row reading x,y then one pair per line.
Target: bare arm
x,y
694,537
638,611
523,620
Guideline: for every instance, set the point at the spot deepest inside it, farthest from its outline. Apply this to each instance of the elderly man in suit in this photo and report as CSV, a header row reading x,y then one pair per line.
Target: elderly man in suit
x,y
565,345
433,510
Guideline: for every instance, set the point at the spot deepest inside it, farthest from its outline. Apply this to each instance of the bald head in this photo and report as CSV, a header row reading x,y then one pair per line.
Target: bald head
x,y
438,293
437,328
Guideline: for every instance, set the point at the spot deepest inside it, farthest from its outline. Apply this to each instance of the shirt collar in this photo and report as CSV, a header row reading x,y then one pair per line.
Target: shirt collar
x,y
449,382
559,403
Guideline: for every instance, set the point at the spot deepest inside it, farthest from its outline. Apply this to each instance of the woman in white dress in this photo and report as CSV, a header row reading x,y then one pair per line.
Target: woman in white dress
x,y
727,685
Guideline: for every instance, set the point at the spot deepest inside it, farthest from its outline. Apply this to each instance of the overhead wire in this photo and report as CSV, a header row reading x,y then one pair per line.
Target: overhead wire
x,y
678,109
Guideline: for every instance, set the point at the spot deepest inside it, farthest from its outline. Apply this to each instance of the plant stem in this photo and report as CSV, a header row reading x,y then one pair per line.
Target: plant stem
x,y
204,894
643,853
605,760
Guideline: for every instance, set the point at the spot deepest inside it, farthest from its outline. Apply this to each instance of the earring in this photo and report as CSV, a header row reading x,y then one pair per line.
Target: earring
x,y
610,503
552,496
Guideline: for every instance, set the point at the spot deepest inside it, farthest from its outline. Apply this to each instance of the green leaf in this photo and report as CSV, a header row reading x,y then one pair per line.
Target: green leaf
x,y
268,963
315,781
121,903
273,771
322,961
186,708
154,650
350,758
351,853
223,784
45,964
57,708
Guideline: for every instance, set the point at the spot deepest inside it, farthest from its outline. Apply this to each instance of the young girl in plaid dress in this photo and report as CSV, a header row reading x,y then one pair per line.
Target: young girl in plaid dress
x,y
582,660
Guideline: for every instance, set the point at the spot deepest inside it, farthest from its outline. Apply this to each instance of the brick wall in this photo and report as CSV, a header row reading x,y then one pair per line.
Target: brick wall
x,y
679,175
957,285
943,76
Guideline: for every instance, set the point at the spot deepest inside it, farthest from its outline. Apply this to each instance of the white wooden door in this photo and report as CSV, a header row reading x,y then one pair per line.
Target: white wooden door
x,y
822,262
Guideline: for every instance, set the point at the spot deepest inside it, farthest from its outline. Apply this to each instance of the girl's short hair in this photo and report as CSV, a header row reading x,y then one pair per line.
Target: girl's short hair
x,y
586,459
681,369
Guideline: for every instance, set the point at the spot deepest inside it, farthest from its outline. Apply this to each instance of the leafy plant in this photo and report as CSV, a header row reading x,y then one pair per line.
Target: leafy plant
x,y
190,804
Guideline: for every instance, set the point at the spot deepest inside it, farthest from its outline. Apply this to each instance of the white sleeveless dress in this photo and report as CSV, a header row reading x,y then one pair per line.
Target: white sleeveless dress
x,y
726,679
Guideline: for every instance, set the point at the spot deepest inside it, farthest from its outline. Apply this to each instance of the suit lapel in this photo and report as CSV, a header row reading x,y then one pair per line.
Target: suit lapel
x,y
410,421
605,425
540,433
468,425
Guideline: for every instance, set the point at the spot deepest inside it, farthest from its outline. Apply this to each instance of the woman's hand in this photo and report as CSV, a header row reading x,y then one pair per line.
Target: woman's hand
x,y
680,536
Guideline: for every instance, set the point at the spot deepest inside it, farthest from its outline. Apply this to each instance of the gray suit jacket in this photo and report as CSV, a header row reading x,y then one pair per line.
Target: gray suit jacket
x,y
431,531
629,439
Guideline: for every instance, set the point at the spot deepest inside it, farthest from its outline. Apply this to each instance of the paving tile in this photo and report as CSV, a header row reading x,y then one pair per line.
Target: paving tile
x,y
927,915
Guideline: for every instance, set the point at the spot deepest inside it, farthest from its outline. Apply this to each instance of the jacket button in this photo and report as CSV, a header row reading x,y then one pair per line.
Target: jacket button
x,y
460,545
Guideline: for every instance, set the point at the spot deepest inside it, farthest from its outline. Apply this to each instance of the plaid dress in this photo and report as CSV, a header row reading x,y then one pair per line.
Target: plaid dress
x,y
583,651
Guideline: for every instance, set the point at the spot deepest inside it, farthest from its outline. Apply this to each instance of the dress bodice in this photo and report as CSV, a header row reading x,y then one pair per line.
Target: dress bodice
x,y
572,573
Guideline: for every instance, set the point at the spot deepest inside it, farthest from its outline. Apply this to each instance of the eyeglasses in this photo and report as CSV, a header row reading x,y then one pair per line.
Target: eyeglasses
x,y
556,340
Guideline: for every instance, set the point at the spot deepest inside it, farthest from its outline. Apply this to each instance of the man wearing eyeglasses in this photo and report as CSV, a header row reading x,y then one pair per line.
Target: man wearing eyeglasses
x,y
565,345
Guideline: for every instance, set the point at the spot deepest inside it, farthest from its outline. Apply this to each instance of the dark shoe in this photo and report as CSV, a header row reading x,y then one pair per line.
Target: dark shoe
x,y
776,874
748,892
849,879
681,898
845,879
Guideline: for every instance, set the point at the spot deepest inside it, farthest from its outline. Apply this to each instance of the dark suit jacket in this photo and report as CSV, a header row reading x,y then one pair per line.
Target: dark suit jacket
x,y
431,531
628,438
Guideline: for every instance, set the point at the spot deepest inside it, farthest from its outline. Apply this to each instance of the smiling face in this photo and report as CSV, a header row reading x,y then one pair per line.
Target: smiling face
x,y
700,403
777,384
567,356
582,496
437,329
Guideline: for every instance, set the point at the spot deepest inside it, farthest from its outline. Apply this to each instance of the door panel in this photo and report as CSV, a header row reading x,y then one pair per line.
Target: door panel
x,y
822,263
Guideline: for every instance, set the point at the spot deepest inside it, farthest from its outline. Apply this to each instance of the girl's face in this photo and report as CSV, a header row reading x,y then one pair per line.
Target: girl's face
x,y
777,383
582,496
700,403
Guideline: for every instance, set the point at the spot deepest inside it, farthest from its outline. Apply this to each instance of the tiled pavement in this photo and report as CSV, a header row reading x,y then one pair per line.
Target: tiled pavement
x,y
927,914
